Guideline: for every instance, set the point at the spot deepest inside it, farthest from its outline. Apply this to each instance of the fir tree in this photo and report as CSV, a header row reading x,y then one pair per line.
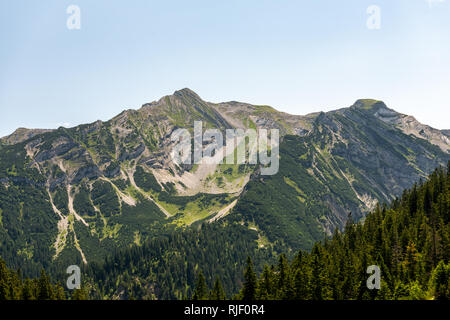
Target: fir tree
x,y
200,292
249,289
217,292
45,291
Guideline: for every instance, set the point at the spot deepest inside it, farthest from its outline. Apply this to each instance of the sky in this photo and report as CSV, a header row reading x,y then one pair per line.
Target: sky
x,y
296,56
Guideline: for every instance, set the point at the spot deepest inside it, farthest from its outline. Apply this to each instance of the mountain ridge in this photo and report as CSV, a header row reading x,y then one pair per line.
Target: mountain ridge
x,y
110,184
406,122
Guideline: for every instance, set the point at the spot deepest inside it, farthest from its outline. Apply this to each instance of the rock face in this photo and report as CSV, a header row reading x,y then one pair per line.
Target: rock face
x,y
84,190
408,124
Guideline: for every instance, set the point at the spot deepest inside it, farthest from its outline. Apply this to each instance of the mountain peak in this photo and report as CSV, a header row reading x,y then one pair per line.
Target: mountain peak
x,y
22,134
376,108
370,104
186,92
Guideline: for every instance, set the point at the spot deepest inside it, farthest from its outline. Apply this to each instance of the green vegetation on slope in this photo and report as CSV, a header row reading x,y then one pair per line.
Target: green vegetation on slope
x,y
167,266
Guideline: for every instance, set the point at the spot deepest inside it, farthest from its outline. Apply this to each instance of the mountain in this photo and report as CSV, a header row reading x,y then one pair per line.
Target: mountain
x,y
74,195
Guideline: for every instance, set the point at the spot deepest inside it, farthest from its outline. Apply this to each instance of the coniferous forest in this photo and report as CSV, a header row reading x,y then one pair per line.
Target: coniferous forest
x,y
14,287
407,239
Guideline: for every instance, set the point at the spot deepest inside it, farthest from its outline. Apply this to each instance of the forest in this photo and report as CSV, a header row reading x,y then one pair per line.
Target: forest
x,y
14,287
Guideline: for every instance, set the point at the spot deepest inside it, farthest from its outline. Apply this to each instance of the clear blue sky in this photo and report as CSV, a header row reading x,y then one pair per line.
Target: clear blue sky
x,y
297,56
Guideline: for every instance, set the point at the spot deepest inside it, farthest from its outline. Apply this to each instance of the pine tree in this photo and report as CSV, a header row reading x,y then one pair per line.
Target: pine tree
x,y
300,285
28,292
440,284
249,289
59,293
4,281
265,285
217,292
15,286
200,292
45,291
317,279
284,285
79,294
